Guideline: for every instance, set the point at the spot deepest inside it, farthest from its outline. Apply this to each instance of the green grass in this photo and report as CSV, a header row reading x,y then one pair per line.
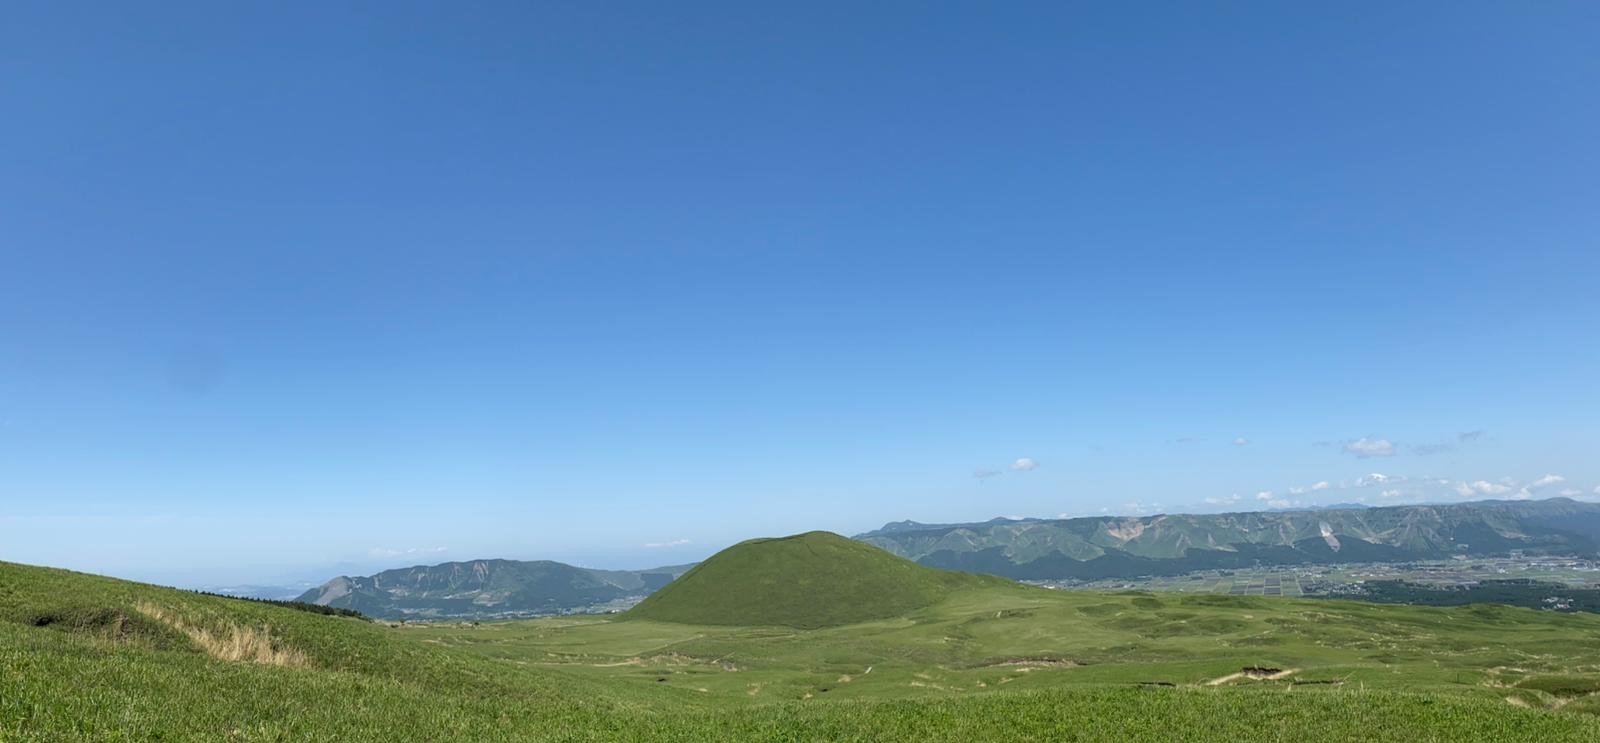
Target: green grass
x,y
810,580
80,662
996,638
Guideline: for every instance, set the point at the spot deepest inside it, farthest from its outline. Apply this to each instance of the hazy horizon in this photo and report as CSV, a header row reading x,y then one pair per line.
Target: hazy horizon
x,y
290,288
287,571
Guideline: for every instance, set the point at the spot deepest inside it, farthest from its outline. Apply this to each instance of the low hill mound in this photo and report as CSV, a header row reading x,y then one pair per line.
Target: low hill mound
x,y
811,580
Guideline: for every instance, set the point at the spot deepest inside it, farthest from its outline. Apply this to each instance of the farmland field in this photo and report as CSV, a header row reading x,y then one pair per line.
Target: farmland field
x,y
1308,580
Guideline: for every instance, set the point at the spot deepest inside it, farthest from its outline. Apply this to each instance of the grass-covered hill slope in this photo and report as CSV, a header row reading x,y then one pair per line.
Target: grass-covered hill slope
x,y
89,658
84,658
810,580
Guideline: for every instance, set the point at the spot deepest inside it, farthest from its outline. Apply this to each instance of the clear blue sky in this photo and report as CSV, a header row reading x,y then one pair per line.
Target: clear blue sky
x,y
285,286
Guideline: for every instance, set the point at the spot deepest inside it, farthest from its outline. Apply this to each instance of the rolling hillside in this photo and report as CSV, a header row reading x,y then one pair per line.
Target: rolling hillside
x,y
85,658
1112,547
486,588
816,579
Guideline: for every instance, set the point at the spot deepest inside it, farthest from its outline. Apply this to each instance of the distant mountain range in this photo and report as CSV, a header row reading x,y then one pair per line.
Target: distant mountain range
x,y
1025,549
1116,546
251,591
489,589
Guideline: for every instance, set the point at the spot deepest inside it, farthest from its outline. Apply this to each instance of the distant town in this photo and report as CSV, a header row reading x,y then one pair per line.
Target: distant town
x,y
1355,579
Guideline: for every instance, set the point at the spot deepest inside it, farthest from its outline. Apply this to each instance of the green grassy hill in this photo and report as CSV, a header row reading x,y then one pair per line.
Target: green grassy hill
x,y
816,579
84,658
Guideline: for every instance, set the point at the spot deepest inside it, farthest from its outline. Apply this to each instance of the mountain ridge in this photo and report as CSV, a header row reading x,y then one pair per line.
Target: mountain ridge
x,y
488,588
1097,547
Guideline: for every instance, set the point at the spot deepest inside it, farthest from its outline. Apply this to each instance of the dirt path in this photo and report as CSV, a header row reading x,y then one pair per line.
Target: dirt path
x,y
1250,674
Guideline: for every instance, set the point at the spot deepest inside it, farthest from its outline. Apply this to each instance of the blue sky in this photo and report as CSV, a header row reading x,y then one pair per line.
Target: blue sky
x,y
291,287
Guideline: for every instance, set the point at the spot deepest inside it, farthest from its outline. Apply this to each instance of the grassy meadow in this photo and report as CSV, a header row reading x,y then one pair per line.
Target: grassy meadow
x,y
85,658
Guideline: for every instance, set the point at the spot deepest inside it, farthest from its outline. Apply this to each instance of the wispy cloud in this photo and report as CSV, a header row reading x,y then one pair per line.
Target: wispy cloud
x,y
1366,448
1425,450
1264,495
1024,464
1377,478
386,552
1241,441
984,474
673,543
1546,481
1322,485
1467,437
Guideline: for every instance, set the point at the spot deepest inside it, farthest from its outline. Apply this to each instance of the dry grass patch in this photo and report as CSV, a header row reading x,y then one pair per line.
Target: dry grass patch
x,y
233,643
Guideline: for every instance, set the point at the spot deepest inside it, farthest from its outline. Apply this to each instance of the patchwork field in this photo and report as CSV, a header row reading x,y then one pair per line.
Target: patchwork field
x,y
1339,578
1231,582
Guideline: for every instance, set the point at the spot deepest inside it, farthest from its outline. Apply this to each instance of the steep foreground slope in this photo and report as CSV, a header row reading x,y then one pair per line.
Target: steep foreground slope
x,y
486,588
1169,544
84,658
816,579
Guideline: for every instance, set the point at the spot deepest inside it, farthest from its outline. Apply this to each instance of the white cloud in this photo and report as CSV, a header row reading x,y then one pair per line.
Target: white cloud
x,y
1296,490
1024,464
1323,485
1547,480
673,543
1278,503
1389,494
1241,441
410,552
984,474
1570,492
1481,487
1264,495
1376,478
1230,500
1597,490
1366,448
